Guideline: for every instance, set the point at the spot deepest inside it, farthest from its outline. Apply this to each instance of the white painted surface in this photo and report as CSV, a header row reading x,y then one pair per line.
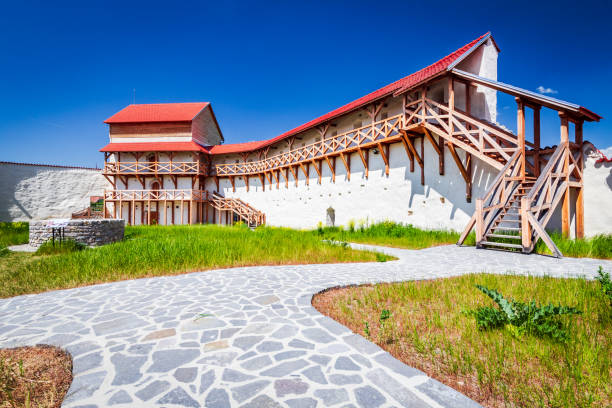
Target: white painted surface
x,y
597,193
36,192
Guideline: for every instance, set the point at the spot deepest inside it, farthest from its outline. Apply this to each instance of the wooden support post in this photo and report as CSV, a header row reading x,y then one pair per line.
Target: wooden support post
x,y
346,159
133,212
189,205
305,172
148,212
536,139
520,126
579,197
332,167
384,152
479,221
364,161
404,138
451,103
565,210
525,225
206,212
423,161
466,172
233,183
246,182
165,212
317,165
120,209
262,180
182,211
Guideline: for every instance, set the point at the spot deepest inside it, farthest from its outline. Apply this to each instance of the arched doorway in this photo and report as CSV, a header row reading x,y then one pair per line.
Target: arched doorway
x,y
153,205
331,217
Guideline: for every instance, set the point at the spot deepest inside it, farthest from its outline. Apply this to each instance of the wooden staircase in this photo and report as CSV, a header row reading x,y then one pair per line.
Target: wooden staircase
x,y
251,216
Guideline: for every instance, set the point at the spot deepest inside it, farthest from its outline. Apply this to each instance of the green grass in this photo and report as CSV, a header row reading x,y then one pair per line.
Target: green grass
x,y
406,236
392,234
430,328
13,233
153,251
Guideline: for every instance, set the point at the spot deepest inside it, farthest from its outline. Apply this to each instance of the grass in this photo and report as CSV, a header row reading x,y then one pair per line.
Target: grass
x,y
34,377
429,327
13,233
159,250
406,236
392,234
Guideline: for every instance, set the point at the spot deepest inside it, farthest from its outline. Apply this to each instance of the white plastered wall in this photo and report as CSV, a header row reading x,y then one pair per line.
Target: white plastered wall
x,y
38,192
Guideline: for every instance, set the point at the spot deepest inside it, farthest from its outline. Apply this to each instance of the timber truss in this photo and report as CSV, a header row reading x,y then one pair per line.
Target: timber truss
x,y
519,203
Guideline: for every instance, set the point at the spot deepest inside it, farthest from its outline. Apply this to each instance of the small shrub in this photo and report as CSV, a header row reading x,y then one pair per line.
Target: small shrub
x,y
351,226
519,317
381,257
67,246
366,329
4,251
320,228
606,284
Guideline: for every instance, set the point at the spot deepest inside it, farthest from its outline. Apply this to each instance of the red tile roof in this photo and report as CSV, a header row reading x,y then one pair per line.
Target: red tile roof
x,y
158,112
403,84
155,147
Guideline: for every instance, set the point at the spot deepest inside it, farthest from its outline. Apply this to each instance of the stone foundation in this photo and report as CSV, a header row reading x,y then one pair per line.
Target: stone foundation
x,y
91,232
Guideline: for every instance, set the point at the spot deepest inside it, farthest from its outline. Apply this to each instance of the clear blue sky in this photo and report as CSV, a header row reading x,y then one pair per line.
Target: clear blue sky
x,y
270,66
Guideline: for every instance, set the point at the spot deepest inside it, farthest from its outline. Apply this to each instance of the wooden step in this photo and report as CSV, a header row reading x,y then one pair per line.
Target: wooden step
x,y
503,236
501,244
506,228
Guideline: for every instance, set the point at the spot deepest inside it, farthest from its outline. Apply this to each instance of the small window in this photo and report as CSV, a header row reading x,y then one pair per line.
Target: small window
x,y
384,116
357,124
151,158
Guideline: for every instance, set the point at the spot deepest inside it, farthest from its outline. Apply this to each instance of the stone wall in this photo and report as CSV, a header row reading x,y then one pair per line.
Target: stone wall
x,y
38,192
91,232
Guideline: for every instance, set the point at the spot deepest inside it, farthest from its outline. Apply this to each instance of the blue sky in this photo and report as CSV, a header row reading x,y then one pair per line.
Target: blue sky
x,y
268,67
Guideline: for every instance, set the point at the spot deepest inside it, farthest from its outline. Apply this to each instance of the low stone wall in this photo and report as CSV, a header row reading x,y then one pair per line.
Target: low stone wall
x,y
91,232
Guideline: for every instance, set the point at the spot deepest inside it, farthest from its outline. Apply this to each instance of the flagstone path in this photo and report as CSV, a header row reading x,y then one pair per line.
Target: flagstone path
x,y
245,337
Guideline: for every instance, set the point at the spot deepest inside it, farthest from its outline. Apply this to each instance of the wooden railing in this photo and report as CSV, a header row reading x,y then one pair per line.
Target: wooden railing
x,y
123,167
360,137
495,199
487,141
538,206
250,215
145,195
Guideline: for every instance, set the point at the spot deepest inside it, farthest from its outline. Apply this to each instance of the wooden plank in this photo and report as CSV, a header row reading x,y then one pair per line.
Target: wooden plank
x,y
408,152
520,125
317,166
364,161
332,168
384,156
233,183
347,164
543,235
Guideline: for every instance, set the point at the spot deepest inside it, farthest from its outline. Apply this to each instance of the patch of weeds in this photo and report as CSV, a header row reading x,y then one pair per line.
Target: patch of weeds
x,y
11,375
54,248
520,318
384,332
4,251
366,329
381,257
606,283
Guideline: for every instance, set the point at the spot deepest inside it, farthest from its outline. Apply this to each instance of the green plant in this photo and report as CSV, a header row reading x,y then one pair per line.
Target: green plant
x,y
381,257
606,283
4,251
14,233
351,226
366,329
384,332
11,375
320,228
64,247
523,317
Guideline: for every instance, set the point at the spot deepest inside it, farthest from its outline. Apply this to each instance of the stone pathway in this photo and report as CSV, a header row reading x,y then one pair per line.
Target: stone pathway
x,y
245,337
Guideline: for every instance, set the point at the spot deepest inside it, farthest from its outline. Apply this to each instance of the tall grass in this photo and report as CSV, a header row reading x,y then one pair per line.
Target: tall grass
x,y
430,328
599,246
392,234
161,250
13,233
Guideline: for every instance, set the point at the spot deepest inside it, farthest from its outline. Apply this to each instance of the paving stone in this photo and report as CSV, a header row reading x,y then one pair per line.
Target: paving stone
x,y
127,368
143,349
87,362
345,363
286,355
284,368
81,348
301,403
361,360
319,359
247,355
227,333
216,345
245,343
296,343
257,363
118,325
60,340
120,397
342,379
244,392
369,397
235,376
289,386
178,396
268,346
83,386
209,335
318,335
153,389
217,398
186,374
262,401
445,395
206,380
219,358
332,397
360,344
391,362
315,374
167,360
285,331
202,324
400,393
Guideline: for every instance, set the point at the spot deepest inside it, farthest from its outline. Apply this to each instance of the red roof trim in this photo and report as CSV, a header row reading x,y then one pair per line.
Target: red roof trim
x,y
155,147
403,84
158,112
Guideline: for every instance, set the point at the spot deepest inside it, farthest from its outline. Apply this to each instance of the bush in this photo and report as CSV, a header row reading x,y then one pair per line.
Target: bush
x,y
53,248
606,284
14,233
523,317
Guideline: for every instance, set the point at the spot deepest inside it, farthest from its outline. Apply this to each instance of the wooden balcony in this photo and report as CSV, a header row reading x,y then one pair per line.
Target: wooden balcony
x,y
155,168
156,195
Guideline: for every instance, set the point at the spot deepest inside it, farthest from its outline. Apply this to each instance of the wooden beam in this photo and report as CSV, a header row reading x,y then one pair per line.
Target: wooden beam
x,y
536,139
347,164
275,178
332,167
466,172
262,180
305,172
565,209
233,183
295,175
246,182
216,183
364,161
433,142
408,151
317,166
520,126
384,155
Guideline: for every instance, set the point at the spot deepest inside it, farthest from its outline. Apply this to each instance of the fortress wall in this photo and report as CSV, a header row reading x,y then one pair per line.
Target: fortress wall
x,y
39,192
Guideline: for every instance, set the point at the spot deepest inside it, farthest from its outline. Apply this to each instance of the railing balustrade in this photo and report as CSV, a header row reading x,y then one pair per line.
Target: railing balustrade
x,y
144,195
130,167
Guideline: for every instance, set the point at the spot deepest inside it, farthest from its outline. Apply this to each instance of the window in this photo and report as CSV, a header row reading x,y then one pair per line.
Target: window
x,y
151,158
